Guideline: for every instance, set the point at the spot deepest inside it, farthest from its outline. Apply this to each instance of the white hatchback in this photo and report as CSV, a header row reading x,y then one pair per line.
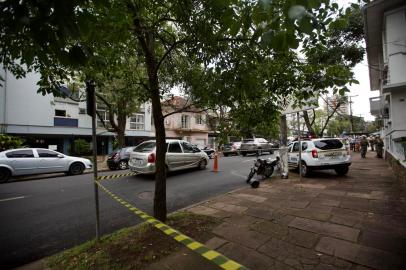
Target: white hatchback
x,y
25,161
320,154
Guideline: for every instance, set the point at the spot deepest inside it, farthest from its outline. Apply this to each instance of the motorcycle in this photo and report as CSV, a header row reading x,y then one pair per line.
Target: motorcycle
x,y
264,168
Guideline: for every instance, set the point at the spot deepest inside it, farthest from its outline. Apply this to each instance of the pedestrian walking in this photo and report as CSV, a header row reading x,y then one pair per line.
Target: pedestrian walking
x,y
352,144
372,142
364,146
379,147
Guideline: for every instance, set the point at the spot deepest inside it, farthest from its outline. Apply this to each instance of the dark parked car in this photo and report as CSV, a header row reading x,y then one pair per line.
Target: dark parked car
x,y
231,148
255,146
209,151
119,158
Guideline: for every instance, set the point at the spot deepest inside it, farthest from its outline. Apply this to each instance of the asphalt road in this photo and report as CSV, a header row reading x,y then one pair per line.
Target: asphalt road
x,y
44,216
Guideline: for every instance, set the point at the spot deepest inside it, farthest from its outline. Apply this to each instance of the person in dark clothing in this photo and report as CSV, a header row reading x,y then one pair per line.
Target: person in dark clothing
x,y
364,146
372,142
379,148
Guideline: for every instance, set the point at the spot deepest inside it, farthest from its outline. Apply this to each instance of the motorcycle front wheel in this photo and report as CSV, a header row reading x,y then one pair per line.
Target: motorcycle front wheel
x,y
252,172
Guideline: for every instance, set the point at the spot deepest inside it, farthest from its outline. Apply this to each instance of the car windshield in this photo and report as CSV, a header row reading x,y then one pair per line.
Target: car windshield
x,y
328,144
248,140
145,147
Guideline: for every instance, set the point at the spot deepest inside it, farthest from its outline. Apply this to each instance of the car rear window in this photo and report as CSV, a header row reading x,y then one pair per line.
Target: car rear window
x,y
328,144
145,147
248,140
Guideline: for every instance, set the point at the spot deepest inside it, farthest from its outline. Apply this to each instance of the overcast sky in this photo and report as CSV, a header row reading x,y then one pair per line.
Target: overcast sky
x,y
360,105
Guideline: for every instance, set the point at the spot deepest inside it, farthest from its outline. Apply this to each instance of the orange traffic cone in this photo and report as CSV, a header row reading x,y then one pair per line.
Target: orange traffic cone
x,y
215,163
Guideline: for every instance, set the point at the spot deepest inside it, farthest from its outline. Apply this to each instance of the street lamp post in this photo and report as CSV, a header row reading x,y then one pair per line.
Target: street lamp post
x,y
351,119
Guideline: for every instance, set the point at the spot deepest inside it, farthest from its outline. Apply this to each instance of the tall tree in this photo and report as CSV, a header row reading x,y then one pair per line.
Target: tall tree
x,y
243,45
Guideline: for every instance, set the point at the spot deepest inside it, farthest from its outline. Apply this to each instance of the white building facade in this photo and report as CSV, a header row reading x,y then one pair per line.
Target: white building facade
x,y
385,28
55,122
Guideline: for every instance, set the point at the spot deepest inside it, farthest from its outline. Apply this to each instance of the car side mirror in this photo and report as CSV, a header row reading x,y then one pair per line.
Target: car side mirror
x,y
60,156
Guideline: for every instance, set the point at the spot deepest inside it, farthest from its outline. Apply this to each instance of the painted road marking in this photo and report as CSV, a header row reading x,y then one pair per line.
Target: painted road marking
x,y
11,199
235,173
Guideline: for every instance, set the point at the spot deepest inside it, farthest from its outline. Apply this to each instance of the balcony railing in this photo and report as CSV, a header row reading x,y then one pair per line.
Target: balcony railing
x,y
66,122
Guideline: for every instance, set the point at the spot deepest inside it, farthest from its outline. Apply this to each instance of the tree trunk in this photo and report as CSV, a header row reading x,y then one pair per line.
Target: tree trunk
x,y
121,123
284,130
307,122
160,176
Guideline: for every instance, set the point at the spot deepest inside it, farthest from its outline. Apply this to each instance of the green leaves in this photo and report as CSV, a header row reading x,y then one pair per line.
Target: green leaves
x,y
305,25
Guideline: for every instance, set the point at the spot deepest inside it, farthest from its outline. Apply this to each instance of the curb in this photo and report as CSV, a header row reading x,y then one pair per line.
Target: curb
x,y
46,176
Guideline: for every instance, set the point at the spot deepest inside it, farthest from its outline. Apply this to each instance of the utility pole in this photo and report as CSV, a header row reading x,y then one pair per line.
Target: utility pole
x,y
300,147
351,118
91,110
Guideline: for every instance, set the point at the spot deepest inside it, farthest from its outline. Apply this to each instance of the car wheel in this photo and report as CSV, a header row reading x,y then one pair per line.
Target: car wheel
x,y
305,169
5,175
243,154
226,155
342,170
123,165
202,164
76,168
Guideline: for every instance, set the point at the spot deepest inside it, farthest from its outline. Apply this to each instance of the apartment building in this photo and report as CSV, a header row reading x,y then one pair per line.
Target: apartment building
x,y
190,125
385,29
55,122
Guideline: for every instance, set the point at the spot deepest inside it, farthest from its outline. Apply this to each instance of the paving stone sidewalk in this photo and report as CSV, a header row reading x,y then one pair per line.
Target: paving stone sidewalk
x,y
323,222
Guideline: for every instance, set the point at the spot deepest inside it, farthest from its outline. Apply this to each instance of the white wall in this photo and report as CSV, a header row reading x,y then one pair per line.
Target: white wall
x,y
398,109
395,26
26,111
24,106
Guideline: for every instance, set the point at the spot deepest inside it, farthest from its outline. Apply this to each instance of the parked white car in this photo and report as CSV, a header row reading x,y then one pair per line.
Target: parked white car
x,y
179,155
320,154
26,161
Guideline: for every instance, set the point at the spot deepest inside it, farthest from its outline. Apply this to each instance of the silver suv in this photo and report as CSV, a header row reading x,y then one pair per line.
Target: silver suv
x,y
320,154
257,146
179,155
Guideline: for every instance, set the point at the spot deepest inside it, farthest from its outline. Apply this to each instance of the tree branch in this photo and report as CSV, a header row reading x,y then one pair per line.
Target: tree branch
x,y
169,50
111,114
186,110
328,118
314,117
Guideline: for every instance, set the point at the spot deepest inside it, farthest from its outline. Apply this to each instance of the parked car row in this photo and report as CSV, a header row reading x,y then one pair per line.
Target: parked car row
x,y
30,161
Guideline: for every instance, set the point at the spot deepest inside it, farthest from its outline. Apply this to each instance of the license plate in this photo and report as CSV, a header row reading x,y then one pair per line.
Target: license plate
x,y
139,162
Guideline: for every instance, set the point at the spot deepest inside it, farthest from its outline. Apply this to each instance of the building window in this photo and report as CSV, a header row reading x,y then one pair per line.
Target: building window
x,y
103,114
185,121
82,111
137,122
61,113
199,119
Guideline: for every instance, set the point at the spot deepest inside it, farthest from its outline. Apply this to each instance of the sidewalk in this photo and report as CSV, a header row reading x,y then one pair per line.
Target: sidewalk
x,y
324,222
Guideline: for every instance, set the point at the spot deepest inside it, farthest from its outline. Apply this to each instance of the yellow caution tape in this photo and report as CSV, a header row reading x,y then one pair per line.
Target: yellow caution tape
x,y
197,247
112,176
